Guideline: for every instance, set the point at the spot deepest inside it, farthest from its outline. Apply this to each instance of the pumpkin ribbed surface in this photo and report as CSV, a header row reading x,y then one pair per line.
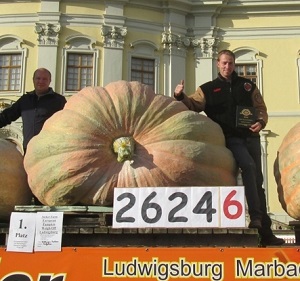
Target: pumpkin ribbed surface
x,y
287,172
124,135
14,189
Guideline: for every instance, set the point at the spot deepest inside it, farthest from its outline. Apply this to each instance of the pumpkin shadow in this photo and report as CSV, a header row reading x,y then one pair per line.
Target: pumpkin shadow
x,y
142,158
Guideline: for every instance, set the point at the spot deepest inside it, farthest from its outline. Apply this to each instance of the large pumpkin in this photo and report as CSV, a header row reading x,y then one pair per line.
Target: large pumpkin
x,y
287,172
124,135
14,189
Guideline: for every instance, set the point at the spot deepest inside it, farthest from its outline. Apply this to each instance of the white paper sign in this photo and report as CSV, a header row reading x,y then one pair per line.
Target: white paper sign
x,y
205,202
150,212
21,232
126,201
48,234
233,204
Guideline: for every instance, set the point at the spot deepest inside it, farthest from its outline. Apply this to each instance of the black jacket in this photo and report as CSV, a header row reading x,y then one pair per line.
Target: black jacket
x,y
219,100
222,98
34,111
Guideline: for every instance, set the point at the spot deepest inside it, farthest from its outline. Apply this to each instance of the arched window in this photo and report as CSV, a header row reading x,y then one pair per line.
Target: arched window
x,y
248,65
12,65
143,64
80,64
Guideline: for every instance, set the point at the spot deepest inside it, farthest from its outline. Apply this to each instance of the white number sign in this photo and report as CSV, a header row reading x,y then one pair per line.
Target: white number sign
x,y
174,207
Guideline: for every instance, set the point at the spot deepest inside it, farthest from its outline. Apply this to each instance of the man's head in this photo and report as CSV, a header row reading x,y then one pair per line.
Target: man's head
x,y
226,63
41,81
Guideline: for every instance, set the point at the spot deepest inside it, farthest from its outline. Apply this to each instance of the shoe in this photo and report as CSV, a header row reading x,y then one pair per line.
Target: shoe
x,y
255,223
271,241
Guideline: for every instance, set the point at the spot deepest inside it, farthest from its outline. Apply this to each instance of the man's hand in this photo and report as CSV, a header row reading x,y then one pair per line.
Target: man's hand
x,y
179,89
256,127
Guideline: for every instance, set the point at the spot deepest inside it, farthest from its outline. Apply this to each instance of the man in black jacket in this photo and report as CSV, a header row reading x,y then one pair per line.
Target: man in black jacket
x,y
220,99
35,107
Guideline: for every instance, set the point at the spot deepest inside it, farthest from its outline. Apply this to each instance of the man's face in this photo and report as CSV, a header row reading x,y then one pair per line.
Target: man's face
x,y
41,82
226,66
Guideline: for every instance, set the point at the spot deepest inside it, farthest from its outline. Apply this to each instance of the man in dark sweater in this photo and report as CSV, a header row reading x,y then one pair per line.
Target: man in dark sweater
x,y
220,100
35,107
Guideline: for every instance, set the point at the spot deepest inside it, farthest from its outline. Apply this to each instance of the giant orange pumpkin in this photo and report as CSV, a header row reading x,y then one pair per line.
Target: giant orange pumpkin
x,y
124,135
14,189
287,172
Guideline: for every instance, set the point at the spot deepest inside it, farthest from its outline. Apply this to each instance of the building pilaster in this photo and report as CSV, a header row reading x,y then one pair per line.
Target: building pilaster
x,y
205,52
113,39
47,30
175,50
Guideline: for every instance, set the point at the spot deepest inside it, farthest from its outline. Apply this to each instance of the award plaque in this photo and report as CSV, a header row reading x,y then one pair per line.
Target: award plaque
x,y
245,116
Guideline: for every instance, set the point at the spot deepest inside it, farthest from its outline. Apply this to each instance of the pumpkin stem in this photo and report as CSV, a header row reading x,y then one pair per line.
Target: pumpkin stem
x,y
124,147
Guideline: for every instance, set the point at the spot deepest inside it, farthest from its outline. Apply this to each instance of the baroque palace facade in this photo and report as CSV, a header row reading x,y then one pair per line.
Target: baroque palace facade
x,y
157,42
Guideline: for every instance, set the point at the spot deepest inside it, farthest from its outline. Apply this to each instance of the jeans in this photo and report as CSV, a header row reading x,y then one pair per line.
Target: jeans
x,y
247,153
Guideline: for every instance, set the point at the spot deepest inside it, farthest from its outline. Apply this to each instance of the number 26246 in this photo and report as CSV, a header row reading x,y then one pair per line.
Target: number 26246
x,y
179,207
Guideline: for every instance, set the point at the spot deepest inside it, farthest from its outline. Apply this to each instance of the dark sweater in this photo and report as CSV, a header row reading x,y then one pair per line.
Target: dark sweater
x,y
34,111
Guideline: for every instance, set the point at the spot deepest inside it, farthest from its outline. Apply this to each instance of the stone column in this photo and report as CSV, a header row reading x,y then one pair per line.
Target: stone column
x,y
264,155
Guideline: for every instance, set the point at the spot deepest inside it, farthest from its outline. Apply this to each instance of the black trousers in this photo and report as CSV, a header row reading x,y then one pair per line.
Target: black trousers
x,y
247,153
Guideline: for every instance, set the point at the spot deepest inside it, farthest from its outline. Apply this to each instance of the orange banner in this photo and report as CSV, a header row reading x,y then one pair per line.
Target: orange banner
x,y
160,264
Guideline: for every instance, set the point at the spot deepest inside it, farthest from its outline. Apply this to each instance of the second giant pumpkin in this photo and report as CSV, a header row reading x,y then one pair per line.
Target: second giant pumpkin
x,y
287,172
124,135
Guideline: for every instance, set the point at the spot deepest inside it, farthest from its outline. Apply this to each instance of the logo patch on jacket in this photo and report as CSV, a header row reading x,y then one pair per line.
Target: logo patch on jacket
x,y
247,87
217,90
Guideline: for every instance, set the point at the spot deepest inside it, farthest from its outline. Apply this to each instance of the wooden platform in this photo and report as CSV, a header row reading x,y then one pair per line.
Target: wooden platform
x,y
91,226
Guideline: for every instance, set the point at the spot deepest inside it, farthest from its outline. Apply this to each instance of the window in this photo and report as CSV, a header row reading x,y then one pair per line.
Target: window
x,y
80,64
143,63
12,65
249,65
10,72
79,71
247,71
143,70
